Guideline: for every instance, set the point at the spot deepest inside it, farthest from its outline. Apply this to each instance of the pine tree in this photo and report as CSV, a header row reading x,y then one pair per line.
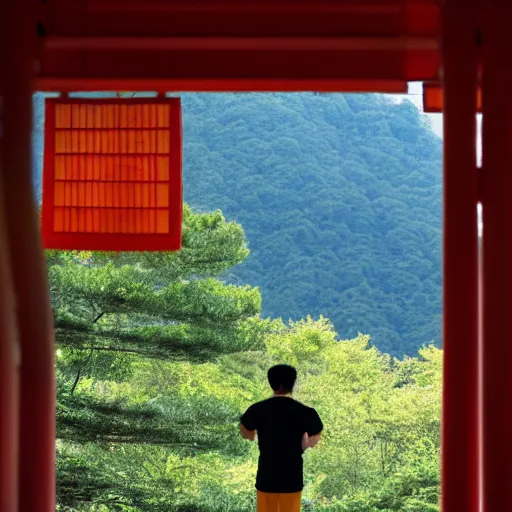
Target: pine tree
x,y
117,313
159,305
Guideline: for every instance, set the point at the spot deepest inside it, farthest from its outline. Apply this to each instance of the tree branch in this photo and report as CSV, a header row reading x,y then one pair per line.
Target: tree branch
x,y
125,350
89,359
98,317
77,380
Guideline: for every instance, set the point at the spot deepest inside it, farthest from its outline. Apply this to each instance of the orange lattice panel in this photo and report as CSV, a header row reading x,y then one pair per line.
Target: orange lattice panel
x,y
112,174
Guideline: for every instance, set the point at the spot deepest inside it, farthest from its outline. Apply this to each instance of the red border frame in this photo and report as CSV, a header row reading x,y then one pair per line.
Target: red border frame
x,y
433,98
114,242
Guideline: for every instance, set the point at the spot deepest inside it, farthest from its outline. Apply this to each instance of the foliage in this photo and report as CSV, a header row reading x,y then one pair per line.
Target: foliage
x,y
169,440
340,197
158,354
156,305
150,390
122,323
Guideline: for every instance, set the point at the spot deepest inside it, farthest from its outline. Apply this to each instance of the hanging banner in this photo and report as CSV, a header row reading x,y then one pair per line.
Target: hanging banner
x,y
112,174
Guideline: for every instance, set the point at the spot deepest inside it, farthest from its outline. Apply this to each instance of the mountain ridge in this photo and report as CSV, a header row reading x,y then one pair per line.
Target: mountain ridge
x,y
340,198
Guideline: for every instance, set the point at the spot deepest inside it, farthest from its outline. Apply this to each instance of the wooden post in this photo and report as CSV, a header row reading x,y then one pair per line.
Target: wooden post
x,y
460,450
497,247
9,352
9,348
36,488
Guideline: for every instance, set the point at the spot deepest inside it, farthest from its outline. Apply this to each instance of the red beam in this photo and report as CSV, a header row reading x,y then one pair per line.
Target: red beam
x,y
226,67
433,100
376,44
361,7
230,44
497,239
460,431
58,84
247,18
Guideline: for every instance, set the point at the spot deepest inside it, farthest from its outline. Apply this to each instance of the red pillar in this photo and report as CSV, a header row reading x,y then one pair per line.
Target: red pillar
x,y
28,269
497,246
9,348
460,449
9,351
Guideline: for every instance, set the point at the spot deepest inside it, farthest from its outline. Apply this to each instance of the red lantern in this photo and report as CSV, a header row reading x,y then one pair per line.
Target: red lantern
x,y
112,174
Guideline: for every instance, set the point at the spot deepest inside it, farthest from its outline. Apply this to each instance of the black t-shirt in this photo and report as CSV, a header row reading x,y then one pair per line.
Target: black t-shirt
x,y
281,423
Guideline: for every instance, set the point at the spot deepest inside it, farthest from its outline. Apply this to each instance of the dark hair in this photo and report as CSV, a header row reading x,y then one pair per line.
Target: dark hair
x,y
282,377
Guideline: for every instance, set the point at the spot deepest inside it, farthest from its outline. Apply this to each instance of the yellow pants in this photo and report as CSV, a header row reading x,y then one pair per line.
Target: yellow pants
x,y
273,502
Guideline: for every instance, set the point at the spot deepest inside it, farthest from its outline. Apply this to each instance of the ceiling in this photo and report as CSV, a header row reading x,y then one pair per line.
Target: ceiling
x,y
238,45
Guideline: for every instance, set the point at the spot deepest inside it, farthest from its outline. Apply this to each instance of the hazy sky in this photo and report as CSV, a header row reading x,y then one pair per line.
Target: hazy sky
x,y
415,95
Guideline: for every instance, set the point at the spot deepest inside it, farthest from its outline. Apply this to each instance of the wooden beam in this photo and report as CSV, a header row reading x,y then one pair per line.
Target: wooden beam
x,y
460,422
376,44
59,84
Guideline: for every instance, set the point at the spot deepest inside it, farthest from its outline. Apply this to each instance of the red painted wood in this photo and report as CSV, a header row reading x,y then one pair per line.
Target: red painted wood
x,y
321,43
433,98
114,174
36,490
207,85
497,210
378,44
223,67
460,433
278,18
9,348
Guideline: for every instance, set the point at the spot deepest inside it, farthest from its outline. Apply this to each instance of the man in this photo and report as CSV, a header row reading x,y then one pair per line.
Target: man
x,y
286,429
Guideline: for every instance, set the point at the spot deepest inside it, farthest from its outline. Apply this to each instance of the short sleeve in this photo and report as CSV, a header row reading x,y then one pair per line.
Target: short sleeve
x,y
314,424
249,419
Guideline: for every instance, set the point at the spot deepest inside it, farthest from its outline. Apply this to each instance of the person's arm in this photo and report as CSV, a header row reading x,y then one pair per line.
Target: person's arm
x,y
247,434
313,432
313,440
310,441
248,424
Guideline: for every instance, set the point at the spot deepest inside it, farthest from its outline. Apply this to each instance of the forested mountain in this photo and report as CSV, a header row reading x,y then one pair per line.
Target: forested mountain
x,y
340,199
154,370
157,359
158,354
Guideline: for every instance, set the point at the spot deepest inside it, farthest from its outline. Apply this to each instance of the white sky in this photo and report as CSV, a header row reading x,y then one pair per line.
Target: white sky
x,y
415,95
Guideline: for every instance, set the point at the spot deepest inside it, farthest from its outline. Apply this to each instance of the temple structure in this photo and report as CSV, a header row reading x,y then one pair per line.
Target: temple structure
x,y
460,49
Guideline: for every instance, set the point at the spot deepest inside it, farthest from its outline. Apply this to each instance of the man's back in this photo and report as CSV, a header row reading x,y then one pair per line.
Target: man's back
x,y
281,423
285,428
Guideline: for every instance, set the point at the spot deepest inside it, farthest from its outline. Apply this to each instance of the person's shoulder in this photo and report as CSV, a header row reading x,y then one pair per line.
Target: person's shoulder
x,y
304,408
261,404
298,405
254,409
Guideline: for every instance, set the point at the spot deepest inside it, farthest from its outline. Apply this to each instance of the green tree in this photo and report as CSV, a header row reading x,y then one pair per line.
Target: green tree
x,y
340,197
160,305
127,328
